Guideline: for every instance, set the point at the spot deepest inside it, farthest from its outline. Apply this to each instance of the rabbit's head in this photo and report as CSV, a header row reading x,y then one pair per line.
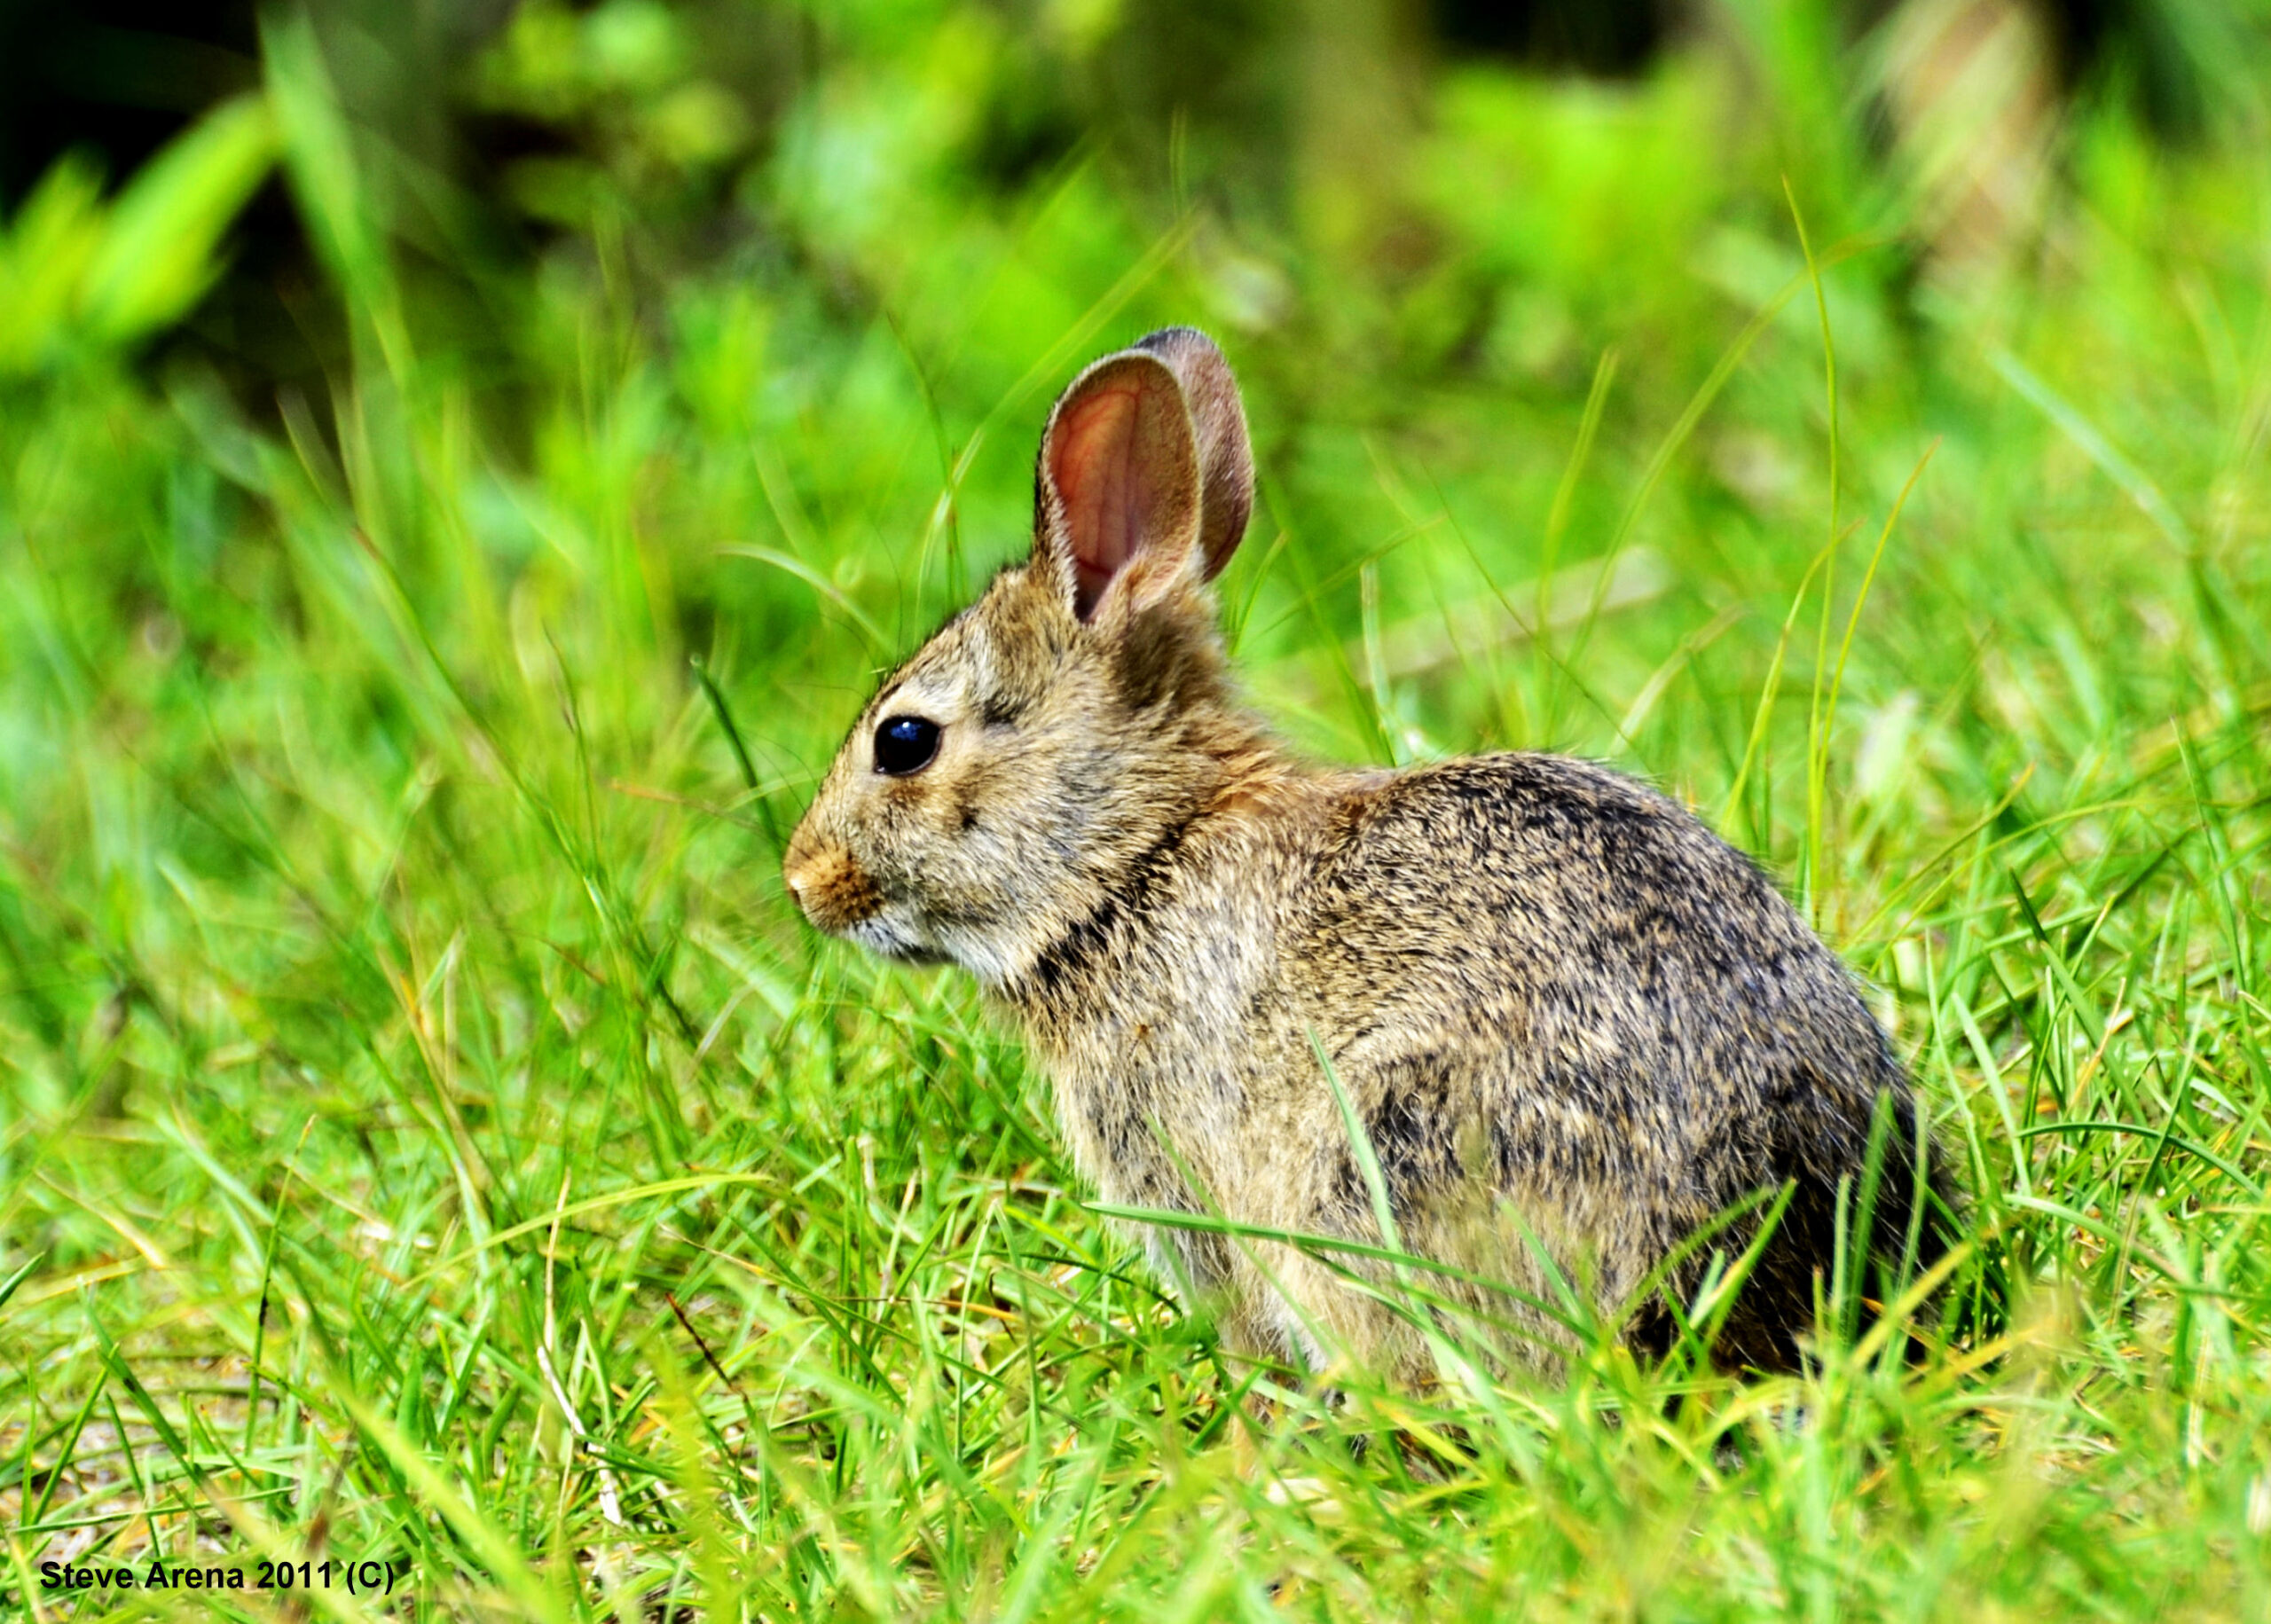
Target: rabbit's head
x,y
1002,786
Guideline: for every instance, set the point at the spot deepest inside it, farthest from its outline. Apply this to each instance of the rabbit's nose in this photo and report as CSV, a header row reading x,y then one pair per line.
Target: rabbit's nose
x,y
827,885
797,865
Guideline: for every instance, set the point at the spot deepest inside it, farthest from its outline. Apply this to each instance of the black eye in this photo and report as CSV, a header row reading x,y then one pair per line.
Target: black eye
x,y
905,744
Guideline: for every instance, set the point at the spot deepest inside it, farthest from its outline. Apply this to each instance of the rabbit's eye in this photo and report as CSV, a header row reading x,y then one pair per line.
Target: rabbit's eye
x,y
905,744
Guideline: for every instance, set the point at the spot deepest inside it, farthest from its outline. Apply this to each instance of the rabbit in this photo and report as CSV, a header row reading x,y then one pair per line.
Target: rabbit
x,y
1571,1025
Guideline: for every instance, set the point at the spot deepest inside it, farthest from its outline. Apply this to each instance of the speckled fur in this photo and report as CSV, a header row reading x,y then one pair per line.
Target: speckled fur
x,y
1566,1013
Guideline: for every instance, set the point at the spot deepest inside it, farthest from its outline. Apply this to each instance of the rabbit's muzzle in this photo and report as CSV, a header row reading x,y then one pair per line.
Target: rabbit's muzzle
x,y
831,889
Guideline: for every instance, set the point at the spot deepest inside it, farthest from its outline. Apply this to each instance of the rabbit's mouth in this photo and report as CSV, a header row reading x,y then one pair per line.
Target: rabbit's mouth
x,y
887,938
905,934
842,898
834,891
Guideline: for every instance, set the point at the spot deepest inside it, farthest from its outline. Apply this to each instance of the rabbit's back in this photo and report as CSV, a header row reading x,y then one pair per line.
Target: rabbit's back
x,y
1535,972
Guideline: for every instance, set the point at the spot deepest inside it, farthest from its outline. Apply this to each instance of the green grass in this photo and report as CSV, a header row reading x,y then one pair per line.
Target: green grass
x,y
427,1135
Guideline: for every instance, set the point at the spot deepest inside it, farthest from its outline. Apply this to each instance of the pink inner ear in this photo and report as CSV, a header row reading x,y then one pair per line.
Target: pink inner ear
x,y
1097,463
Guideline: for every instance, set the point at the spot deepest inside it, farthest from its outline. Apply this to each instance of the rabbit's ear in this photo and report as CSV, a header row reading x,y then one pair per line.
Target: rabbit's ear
x,y
1119,476
1144,470
1210,394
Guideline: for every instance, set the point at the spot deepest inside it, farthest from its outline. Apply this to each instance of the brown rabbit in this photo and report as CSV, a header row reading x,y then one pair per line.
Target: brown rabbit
x,y
1573,1024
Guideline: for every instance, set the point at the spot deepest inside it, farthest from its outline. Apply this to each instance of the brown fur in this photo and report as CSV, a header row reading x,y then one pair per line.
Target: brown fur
x,y
1568,1018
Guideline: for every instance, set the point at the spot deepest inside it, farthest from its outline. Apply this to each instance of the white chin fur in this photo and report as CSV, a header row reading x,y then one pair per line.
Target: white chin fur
x,y
897,933
891,937
982,955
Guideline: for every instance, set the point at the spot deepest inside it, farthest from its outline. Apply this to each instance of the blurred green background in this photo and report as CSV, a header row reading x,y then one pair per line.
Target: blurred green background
x,y
719,332
461,466
688,279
